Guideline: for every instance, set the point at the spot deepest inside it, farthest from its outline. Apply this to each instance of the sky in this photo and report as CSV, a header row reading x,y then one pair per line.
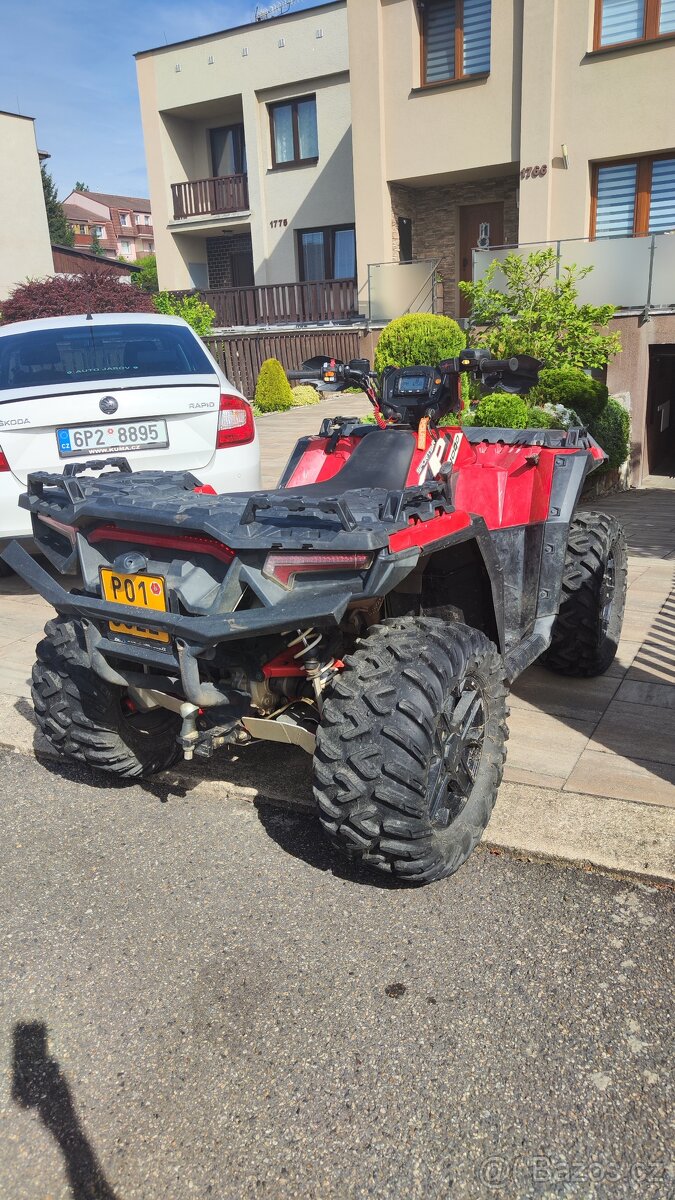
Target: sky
x,y
70,64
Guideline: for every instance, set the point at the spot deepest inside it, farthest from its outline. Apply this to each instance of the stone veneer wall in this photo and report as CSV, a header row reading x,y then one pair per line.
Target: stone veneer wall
x,y
218,256
434,212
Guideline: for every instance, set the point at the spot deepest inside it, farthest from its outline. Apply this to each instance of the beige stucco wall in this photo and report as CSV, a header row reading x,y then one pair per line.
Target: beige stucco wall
x,y
25,249
179,107
611,105
445,134
545,88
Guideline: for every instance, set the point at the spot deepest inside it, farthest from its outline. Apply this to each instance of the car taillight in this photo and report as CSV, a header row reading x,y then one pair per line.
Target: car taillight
x,y
4,465
235,423
284,567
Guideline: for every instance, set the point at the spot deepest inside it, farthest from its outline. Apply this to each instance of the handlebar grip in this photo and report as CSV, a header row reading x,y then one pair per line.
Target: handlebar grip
x,y
316,375
491,365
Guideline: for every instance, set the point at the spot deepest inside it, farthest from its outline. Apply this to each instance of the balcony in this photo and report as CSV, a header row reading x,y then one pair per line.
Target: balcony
x,y
629,272
284,303
210,197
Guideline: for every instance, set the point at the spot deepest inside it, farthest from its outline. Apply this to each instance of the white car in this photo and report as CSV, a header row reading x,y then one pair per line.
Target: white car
x,y
117,384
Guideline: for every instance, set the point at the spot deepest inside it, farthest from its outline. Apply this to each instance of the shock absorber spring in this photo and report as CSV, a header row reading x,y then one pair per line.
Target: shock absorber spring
x,y
317,673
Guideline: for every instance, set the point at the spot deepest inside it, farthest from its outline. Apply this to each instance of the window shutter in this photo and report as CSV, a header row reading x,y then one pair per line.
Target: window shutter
x,y
622,21
477,36
617,187
667,19
662,207
439,36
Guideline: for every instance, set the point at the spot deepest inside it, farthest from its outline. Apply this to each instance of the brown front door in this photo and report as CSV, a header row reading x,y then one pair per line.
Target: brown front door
x,y
477,222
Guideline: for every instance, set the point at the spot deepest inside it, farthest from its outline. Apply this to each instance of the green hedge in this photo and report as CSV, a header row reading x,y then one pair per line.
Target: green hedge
x,y
304,393
193,310
572,387
611,429
418,339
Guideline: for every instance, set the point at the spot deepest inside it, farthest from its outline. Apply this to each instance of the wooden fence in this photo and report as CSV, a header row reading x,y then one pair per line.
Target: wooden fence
x,y
240,356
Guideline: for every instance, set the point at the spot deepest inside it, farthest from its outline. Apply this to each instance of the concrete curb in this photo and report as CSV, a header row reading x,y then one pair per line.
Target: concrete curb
x,y
583,831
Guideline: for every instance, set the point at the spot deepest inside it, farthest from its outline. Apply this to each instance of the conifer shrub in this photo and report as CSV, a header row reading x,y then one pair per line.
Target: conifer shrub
x,y
272,390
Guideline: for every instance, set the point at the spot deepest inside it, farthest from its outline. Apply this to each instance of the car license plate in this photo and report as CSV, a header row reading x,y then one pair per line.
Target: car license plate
x,y
115,435
141,591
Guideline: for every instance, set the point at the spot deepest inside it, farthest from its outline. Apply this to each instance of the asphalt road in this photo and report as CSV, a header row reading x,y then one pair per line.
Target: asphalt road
x,y
198,1001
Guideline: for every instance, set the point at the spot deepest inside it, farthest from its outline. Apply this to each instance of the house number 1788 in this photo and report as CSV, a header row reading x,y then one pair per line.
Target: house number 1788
x,y
534,172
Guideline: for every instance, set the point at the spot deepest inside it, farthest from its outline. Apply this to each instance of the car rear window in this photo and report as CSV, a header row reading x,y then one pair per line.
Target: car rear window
x,y
86,354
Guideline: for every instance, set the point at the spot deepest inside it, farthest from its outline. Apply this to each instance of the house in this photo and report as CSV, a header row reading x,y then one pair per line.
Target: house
x,y
249,153
25,249
121,224
478,125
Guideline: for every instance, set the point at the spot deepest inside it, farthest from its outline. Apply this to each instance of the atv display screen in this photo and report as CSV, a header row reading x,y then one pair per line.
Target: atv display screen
x,y
412,385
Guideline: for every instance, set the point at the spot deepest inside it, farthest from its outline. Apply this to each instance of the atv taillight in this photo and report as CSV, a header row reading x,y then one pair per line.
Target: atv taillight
x,y
284,567
235,423
4,465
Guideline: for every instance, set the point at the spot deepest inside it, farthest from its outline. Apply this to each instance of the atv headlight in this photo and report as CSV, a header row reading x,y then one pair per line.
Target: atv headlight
x,y
284,567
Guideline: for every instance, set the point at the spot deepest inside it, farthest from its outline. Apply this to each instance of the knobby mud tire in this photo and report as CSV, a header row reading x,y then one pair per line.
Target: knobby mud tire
x,y
376,772
84,718
587,629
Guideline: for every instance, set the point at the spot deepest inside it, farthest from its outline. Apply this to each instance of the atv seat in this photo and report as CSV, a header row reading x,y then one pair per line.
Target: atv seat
x,y
381,460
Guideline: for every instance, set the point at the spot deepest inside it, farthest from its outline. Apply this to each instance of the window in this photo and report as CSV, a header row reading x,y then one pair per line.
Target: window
x,y
228,151
634,197
124,218
98,231
125,247
455,39
81,228
619,21
294,132
328,253
77,355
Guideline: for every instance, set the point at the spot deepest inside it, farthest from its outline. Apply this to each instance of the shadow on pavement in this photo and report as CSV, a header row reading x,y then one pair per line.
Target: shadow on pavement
x,y
38,1082
300,835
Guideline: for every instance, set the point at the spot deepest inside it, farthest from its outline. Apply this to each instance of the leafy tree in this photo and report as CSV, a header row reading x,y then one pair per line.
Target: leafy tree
x,y
193,310
538,314
96,247
80,187
94,292
60,231
146,278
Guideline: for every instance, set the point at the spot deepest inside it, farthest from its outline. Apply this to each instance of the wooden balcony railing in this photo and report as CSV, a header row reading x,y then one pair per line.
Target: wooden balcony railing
x,y
210,197
284,303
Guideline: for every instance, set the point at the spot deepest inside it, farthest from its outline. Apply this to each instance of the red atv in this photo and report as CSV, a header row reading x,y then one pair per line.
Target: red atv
x,y
372,610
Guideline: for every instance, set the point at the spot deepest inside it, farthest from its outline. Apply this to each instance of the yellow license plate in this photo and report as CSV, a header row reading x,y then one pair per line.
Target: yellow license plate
x,y
139,591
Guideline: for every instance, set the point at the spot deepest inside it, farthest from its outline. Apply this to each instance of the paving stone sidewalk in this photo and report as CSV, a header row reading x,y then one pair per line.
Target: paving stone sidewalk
x,y
611,738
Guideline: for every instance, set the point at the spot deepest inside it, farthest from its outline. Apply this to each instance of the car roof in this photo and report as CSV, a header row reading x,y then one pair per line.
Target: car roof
x,y
95,319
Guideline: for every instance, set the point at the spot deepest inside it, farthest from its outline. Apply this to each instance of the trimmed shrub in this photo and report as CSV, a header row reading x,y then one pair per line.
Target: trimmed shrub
x,y
502,411
571,387
304,393
540,418
418,339
75,296
612,430
193,310
272,390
